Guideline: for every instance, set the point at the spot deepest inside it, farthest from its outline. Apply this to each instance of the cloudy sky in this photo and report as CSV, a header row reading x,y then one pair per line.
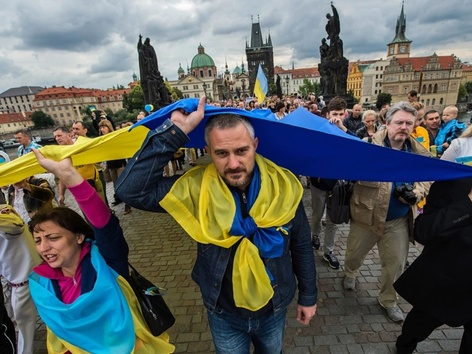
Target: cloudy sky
x,y
92,43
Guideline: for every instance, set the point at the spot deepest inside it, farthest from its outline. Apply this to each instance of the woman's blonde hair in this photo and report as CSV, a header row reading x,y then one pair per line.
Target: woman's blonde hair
x,y
467,133
369,112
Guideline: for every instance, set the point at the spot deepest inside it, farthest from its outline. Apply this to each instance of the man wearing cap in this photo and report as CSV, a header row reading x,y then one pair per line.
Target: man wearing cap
x,y
253,241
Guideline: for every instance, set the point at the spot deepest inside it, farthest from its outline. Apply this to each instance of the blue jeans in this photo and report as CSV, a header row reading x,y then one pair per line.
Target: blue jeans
x,y
233,335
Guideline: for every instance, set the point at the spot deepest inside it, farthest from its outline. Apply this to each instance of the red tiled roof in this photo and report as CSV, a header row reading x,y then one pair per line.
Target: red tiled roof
x,y
466,67
14,117
298,73
419,62
62,92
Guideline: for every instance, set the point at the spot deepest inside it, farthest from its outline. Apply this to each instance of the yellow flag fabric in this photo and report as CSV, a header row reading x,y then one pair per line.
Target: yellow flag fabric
x,y
116,145
145,342
203,205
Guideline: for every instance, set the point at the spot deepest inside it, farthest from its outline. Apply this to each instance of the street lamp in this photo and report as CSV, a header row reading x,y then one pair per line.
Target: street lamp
x,y
286,82
205,88
243,85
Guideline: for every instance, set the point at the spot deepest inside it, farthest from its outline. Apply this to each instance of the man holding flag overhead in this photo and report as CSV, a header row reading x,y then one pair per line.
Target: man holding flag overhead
x,y
253,240
261,87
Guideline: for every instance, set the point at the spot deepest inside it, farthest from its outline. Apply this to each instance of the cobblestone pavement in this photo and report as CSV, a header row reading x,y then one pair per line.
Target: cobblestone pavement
x,y
346,321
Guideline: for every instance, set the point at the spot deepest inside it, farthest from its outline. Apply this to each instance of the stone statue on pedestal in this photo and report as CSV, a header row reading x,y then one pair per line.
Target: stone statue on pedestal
x,y
333,66
152,83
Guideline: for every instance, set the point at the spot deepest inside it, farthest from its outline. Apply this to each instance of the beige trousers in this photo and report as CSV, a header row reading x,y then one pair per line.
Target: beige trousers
x,y
393,251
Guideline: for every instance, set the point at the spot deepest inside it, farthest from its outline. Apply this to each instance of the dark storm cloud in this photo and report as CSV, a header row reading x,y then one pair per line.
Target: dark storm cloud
x,y
63,25
119,58
8,69
93,42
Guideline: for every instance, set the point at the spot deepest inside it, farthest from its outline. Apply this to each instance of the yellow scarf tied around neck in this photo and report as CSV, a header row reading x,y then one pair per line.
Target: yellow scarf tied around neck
x,y
203,205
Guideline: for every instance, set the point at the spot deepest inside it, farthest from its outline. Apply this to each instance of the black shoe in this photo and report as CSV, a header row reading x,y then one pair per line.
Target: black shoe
x,y
116,202
332,260
315,242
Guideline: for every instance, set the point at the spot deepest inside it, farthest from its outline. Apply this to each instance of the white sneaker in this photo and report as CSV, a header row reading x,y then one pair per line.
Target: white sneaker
x,y
394,312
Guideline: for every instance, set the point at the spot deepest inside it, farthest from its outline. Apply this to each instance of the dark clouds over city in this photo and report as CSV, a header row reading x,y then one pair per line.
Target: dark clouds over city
x,y
93,43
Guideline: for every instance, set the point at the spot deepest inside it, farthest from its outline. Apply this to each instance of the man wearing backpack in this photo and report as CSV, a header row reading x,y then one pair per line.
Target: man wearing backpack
x,y
320,189
382,213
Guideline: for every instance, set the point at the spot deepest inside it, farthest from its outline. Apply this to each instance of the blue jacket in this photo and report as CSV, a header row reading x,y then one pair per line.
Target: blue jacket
x,y
448,132
142,186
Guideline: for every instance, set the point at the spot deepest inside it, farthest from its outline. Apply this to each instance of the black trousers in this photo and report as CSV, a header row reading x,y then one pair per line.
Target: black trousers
x,y
7,330
418,325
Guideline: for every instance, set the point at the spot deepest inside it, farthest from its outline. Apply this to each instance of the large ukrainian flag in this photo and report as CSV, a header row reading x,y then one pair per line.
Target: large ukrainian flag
x,y
261,86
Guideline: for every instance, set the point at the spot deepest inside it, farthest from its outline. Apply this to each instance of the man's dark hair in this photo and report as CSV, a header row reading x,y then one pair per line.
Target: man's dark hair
x,y
22,131
225,121
430,112
337,104
81,123
279,105
413,93
62,128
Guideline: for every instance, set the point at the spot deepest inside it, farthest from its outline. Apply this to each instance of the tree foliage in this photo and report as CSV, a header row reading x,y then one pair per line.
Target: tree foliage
x,y
176,94
461,95
308,88
468,86
42,120
383,98
134,100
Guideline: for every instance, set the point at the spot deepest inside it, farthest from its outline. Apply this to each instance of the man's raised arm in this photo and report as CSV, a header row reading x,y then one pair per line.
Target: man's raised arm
x,y
142,184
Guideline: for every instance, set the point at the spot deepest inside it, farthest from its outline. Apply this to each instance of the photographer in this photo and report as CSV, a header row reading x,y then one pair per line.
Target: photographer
x,y
382,213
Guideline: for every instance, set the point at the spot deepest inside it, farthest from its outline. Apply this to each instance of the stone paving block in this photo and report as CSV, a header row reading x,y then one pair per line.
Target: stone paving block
x,y
346,321
303,341
338,349
428,346
449,345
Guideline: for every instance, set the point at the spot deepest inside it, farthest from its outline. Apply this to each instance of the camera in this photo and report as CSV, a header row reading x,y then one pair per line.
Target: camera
x,y
405,191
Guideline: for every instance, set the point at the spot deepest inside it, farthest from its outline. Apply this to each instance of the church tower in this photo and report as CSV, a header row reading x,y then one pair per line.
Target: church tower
x,y
400,46
259,53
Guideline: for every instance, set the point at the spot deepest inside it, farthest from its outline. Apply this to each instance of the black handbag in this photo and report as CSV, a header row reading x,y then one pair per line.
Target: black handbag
x,y
155,311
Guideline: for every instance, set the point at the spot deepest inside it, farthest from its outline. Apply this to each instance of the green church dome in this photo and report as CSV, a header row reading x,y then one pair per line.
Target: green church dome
x,y
202,59
237,70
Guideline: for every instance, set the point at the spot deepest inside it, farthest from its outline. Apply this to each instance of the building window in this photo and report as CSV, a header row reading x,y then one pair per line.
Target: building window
x,y
441,100
433,102
210,73
61,115
197,95
444,87
201,73
195,87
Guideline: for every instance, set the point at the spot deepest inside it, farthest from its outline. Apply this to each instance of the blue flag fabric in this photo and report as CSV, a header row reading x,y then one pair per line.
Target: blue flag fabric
x,y
311,146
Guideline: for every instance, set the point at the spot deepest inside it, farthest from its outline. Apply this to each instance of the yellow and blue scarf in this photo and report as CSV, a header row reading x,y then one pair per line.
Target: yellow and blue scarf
x,y
80,327
208,211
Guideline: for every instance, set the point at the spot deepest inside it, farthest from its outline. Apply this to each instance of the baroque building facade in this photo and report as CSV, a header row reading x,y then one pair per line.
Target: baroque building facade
x,y
435,78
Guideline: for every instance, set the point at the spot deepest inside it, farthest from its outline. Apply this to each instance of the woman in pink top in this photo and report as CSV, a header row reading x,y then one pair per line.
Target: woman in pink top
x,y
81,289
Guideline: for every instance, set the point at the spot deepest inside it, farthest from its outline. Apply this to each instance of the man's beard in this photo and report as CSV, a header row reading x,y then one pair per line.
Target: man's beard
x,y
239,183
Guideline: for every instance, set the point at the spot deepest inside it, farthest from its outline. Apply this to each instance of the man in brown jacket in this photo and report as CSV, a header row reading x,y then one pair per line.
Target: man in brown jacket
x,y
382,213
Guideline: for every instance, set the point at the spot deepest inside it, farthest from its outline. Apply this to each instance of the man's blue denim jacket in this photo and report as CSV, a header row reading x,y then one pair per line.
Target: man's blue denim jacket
x,y
142,186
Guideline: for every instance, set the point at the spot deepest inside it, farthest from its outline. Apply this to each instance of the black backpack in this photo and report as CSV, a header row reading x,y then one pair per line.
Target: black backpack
x,y
337,205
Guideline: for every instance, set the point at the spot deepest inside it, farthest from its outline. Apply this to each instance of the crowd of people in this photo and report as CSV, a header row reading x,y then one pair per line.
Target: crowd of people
x,y
254,244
